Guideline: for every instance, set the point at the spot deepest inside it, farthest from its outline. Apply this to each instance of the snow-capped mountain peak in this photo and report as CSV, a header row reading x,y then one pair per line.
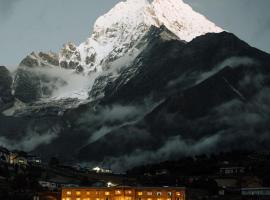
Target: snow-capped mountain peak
x,y
181,19
117,33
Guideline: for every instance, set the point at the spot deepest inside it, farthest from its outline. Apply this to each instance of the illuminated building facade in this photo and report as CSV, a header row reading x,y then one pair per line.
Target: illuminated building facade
x,y
124,193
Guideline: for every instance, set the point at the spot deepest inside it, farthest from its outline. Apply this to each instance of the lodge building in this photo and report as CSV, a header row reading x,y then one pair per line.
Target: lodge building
x,y
124,193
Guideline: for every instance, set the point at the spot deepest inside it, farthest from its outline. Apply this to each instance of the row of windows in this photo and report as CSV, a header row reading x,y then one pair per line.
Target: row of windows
x,y
128,192
128,198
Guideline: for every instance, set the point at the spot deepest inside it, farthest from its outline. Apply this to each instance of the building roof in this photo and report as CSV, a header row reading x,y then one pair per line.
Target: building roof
x,y
124,187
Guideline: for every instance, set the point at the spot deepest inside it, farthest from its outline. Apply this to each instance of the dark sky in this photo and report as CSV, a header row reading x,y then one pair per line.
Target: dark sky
x,y
43,25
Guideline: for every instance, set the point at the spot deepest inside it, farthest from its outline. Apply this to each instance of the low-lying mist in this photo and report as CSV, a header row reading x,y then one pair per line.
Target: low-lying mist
x,y
60,83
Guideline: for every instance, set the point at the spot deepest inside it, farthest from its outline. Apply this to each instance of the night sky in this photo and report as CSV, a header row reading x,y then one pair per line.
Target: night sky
x,y
38,25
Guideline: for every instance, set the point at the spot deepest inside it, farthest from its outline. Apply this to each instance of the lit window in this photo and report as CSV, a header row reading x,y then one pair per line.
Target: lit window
x,y
63,199
158,193
87,193
68,192
78,193
67,198
149,198
117,192
78,198
140,193
178,193
169,194
149,193
97,198
159,199
107,193
86,199
128,192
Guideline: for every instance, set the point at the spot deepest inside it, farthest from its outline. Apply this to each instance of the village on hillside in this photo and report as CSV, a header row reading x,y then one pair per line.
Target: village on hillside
x,y
234,175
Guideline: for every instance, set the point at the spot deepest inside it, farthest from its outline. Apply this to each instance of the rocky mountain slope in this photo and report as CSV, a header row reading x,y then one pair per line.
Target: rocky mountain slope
x,y
214,92
6,97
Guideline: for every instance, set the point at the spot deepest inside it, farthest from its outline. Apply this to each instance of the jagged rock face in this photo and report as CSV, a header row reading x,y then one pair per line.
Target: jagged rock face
x,y
40,59
30,84
6,98
71,58
26,85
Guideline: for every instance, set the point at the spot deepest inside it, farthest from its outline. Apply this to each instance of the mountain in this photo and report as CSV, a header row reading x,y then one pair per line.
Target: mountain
x,y
113,45
213,95
154,81
121,32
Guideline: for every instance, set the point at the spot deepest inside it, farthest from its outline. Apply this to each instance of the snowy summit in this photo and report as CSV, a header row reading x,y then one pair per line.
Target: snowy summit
x,y
116,33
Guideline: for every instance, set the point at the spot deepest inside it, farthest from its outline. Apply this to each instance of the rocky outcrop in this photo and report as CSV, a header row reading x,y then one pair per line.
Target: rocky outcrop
x,y
40,59
70,58
27,86
6,98
31,82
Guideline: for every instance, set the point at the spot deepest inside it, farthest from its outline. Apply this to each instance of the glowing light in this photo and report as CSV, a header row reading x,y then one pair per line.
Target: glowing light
x,y
140,193
68,192
110,184
78,193
107,193
117,192
129,192
97,169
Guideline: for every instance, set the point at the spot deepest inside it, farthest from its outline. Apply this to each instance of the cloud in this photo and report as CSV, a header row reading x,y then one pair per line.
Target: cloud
x,y
100,133
59,83
103,120
32,139
245,126
173,148
231,62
